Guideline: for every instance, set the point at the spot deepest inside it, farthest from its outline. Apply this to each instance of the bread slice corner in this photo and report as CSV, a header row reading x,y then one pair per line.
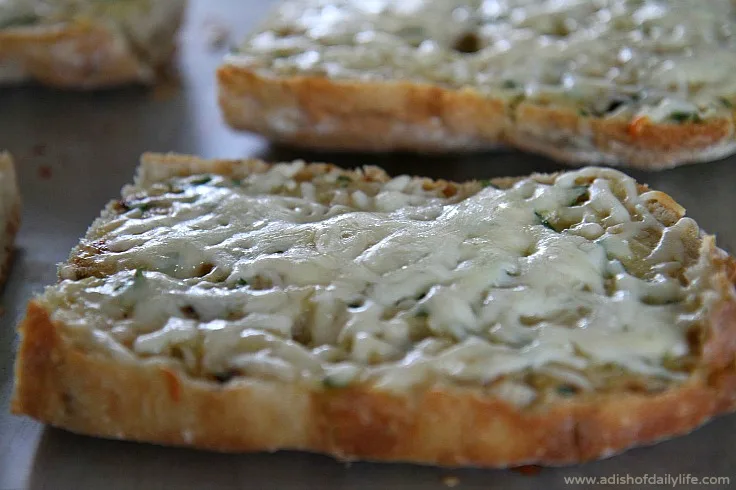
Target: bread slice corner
x,y
95,47
10,210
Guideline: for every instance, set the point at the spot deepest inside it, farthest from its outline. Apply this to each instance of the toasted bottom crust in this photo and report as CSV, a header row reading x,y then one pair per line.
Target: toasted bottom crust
x,y
97,395
324,114
81,56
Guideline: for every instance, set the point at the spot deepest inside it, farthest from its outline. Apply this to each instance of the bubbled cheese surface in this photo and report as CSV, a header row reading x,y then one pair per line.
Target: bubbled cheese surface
x,y
671,61
330,278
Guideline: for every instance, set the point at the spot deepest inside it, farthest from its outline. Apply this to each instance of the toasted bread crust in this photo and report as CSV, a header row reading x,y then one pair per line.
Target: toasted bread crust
x,y
88,393
320,113
8,252
84,55
96,60
12,202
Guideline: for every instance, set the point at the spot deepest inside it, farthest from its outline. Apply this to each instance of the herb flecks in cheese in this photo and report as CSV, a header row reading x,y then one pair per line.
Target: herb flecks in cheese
x,y
335,278
608,58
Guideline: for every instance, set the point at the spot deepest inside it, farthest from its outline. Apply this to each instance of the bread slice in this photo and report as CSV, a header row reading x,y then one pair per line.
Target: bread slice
x,y
87,44
646,84
9,213
239,306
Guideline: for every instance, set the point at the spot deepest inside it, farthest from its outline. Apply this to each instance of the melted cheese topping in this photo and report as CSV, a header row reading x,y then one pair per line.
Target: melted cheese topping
x,y
671,61
339,280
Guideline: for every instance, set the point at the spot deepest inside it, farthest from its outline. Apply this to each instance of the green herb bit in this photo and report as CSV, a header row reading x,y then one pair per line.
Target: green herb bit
x,y
653,300
413,35
333,383
510,84
584,112
686,117
344,180
614,104
578,192
544,220
20,21
561,28
142,204
566,390
518,99
241,282
225,376
726,103
130,289
487,183
235,181
137,281
201,180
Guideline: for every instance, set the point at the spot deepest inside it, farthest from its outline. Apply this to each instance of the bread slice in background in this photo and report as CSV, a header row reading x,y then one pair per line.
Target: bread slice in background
x,y
238,306
646,84
10,203
87,44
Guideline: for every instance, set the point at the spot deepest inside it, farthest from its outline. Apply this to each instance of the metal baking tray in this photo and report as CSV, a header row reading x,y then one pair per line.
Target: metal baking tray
x,y
76,150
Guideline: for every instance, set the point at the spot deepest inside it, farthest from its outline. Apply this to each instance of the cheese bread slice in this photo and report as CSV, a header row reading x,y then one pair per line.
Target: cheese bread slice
x,y
240,306
87,44
647,83
9,213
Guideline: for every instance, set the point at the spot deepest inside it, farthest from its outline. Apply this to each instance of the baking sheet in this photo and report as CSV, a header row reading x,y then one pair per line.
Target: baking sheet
x,y
74,153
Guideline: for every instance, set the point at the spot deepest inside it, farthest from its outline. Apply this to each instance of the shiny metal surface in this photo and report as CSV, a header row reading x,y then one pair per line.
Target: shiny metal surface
x,y
75,151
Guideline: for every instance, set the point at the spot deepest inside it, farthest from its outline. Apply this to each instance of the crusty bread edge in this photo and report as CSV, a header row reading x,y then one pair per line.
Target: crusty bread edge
x,y
84,55
97,60
12,202
154,402
319,113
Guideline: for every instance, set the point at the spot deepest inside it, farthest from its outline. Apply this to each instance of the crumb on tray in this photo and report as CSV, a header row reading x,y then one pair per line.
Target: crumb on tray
x,y
450,481
44,172
528,470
